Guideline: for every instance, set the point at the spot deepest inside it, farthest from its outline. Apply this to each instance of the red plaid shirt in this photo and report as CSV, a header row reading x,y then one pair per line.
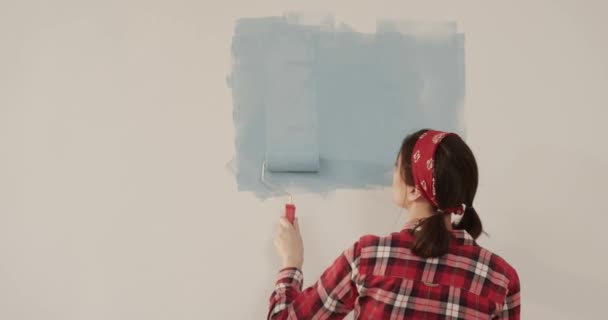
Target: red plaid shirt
x,y
380,278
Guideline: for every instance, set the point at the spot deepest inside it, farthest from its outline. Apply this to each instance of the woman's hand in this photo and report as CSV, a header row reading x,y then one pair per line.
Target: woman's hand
x,y
288,242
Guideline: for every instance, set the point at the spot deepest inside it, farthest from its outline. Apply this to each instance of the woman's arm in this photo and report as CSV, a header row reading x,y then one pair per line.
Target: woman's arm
x,y
331,297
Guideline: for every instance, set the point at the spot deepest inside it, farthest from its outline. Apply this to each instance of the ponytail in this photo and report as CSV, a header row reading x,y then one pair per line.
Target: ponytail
x,y
431,237
470,222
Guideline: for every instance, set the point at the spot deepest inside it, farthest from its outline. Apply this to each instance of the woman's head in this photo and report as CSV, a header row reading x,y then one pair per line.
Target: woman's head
x,y
456,178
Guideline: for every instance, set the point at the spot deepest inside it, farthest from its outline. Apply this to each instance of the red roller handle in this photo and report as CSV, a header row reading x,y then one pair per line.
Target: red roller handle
x,y
290,212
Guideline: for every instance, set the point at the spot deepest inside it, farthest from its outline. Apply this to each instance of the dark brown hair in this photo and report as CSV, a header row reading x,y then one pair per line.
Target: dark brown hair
x,y
456,180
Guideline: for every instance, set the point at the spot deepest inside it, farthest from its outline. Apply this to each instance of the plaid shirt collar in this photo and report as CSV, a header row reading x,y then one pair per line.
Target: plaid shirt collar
x,y
461,237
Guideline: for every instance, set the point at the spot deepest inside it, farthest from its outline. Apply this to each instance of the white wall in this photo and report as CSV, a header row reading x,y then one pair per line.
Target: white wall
x,y
115,128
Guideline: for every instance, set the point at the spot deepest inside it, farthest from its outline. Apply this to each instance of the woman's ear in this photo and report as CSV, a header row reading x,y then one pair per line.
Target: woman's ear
x,y
412,193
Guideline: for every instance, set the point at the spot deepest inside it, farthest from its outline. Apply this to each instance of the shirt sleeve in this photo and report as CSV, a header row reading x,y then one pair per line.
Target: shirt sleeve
x,y
331,297
511,307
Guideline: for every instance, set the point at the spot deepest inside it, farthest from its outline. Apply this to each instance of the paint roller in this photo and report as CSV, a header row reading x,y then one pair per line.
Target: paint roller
x,y
298,160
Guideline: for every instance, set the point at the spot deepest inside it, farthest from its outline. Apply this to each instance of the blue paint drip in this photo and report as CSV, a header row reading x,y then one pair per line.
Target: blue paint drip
x,y
369,91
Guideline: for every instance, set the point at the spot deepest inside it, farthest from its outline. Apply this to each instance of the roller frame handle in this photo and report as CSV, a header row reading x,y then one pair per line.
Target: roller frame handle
x,y
290,212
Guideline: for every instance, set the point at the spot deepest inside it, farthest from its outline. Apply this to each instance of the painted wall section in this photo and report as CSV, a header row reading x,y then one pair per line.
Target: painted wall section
x,y
350,96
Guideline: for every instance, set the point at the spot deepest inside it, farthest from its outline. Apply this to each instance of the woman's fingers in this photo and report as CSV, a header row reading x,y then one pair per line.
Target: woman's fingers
x,y
296,225
285,223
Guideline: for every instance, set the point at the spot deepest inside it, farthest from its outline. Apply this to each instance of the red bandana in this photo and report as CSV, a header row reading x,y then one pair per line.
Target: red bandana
x,y
423,165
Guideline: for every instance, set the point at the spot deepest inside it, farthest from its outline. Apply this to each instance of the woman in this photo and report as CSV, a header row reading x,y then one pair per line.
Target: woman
x,y
432,269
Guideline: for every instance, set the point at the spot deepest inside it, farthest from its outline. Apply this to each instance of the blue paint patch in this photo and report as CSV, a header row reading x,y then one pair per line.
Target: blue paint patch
x,y
365,92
